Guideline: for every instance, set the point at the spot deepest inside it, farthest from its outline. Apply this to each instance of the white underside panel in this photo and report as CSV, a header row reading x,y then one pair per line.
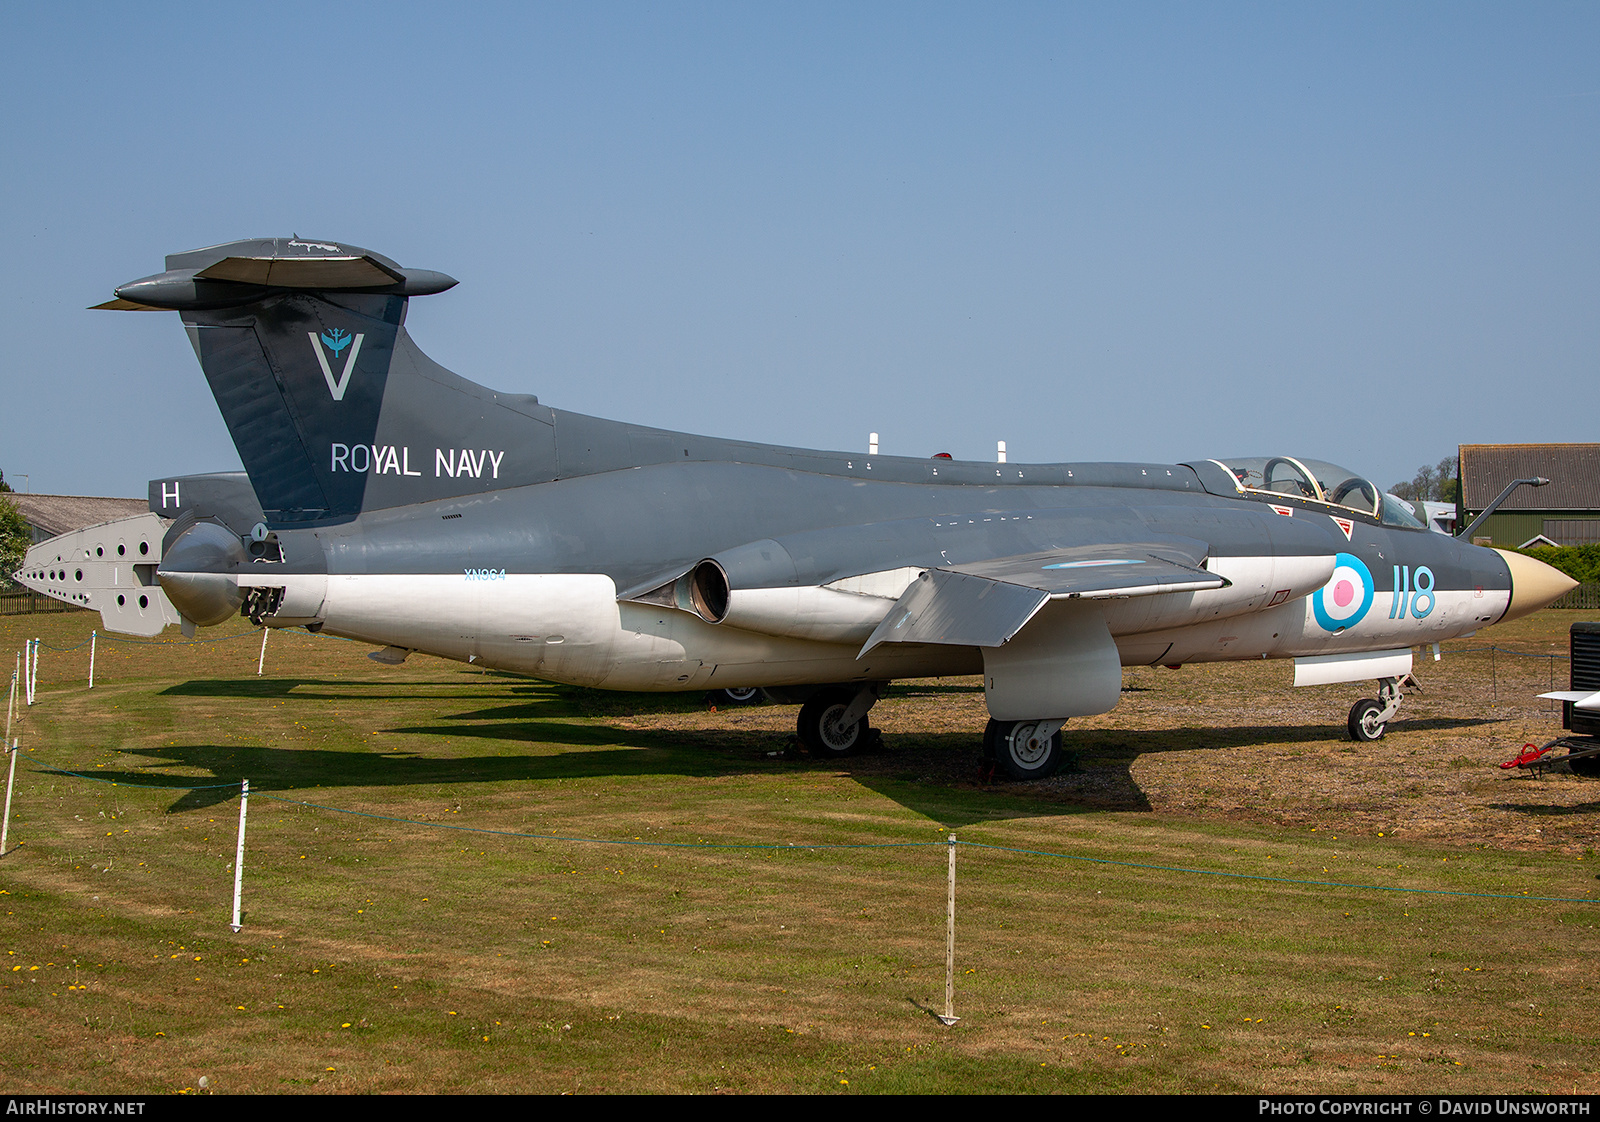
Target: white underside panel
x,y
1357,666
570,628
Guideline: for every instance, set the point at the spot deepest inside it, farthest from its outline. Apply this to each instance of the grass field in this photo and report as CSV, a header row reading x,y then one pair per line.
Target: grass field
x,y
393,940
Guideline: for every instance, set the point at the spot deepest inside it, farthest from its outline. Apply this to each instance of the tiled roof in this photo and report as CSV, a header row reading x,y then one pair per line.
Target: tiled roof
x,y
58,514
1573,471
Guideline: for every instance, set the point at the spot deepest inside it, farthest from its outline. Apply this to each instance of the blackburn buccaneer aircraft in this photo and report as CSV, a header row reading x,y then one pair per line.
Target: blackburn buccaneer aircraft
x,y
387,500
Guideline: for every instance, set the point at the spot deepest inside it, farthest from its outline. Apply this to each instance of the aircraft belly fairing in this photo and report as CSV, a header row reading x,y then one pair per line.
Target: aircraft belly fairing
x,y
390,500
571,628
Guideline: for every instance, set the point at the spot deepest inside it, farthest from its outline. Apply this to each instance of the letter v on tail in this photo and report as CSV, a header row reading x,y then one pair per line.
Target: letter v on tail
x,y
336,388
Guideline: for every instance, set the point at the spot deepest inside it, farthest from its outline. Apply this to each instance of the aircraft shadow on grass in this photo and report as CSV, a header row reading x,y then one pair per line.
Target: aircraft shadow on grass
x,y
937,775
1543,811
311,689
550,698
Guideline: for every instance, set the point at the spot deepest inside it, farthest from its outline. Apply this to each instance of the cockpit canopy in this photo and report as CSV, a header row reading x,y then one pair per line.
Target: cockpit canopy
x,y
1318,482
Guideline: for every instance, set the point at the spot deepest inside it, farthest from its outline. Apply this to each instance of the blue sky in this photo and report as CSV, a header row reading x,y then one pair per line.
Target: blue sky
x,y
1364,233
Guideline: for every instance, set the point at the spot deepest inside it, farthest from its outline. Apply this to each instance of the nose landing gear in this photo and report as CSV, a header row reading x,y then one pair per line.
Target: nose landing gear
x,y
1369,718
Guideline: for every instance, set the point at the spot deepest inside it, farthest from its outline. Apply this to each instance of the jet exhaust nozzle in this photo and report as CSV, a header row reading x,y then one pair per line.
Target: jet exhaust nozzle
x,y
199,573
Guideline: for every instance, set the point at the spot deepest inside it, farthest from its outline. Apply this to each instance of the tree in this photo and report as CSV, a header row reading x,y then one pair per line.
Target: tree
x,y
1432,484
14,541
4,486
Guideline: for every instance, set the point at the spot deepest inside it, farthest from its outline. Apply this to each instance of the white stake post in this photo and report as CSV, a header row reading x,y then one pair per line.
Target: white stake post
x,y
33,670
27,671
93,635
5,823
262,661
11,702
948,1017
238,856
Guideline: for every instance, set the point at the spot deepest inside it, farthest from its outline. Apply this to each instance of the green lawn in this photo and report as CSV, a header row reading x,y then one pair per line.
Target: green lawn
x,y
415,943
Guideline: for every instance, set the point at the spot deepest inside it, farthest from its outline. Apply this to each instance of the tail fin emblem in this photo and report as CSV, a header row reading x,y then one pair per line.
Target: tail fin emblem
x,y
336,340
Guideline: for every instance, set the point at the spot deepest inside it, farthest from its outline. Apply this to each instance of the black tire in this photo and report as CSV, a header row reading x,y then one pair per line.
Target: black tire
x,y
1363,724
1019,754
1586,766
818,730
990,736
742,695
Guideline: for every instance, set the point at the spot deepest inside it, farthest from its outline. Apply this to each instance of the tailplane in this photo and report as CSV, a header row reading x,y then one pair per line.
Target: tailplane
x,y
333,408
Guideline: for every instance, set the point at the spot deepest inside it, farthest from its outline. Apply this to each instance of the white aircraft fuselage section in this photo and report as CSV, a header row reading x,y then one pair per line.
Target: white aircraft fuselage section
x,y
571,628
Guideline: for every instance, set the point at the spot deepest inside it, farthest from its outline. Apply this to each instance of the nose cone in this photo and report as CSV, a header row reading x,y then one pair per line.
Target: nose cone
x,y
1534,584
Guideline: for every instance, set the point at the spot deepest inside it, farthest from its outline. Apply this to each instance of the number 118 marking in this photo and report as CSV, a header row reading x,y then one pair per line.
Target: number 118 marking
x,y
1406,595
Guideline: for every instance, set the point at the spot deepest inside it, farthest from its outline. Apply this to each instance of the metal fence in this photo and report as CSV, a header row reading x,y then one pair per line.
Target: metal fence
x,y
24,601
1584,596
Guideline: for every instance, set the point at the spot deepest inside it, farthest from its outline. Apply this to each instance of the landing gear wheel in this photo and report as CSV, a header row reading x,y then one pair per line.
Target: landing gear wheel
x,y
746,695
1364,724
1020,753
990,738
819,729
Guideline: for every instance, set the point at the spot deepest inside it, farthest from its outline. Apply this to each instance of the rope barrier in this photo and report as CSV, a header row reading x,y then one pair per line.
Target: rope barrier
x,y
757,846
132,642
599,841
1508,650
1285,880
179,642
176,786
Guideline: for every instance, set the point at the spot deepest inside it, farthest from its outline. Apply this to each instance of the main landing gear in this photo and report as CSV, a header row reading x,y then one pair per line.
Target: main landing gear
x,y
833,724
1024,749
833,721
1369,718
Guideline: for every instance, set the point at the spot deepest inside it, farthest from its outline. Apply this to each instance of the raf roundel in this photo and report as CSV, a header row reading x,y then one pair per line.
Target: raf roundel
x,y
1343,601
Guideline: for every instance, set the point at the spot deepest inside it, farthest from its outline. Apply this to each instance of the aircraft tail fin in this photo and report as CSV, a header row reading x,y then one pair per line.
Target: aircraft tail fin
x,y
334,410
